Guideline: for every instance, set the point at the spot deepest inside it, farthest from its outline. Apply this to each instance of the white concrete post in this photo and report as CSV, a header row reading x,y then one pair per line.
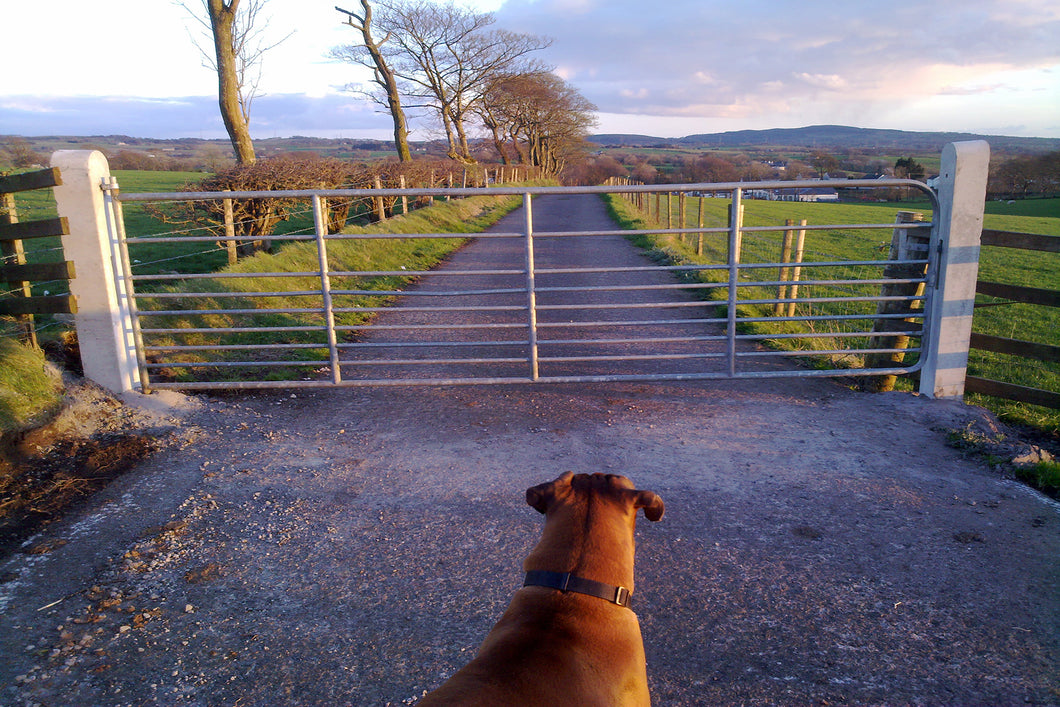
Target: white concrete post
x,y
103,328
962,195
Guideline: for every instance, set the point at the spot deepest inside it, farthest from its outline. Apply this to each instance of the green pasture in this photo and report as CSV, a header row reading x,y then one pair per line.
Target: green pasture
x,y
170,256
1003,265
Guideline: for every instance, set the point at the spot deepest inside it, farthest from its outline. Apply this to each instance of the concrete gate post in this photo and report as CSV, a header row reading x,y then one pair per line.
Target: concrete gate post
x,y
962,196
104,328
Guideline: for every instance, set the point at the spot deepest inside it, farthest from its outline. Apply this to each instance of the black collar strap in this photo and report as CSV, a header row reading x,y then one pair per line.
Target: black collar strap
x,y
566,582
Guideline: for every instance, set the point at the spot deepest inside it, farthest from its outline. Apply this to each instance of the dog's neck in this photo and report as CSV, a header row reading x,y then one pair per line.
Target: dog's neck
x,y
592,540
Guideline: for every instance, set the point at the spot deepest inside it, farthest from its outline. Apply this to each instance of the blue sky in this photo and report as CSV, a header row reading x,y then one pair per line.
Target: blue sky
x,y
666,69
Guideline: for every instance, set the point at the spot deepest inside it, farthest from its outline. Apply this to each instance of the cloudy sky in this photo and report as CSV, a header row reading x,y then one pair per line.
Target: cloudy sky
x,y
667,69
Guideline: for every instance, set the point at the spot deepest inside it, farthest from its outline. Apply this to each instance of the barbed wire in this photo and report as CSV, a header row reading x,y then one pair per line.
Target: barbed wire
x,y
144,264
36,285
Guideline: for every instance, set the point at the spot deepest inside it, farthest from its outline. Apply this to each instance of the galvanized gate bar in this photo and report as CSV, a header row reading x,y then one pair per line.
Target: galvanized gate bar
x,y
608,335
531,288
735,219
320,226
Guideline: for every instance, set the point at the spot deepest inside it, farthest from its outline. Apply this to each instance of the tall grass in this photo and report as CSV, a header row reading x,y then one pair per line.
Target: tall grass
x,y
30,389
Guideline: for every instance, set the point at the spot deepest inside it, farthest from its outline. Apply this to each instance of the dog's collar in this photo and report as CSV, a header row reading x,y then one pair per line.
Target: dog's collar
x,y
567,582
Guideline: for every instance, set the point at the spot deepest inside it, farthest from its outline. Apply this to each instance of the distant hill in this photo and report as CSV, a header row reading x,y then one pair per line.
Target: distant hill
x,y
833,137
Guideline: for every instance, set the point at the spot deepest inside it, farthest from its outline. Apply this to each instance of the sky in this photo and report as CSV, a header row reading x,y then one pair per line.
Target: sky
x,y
666,69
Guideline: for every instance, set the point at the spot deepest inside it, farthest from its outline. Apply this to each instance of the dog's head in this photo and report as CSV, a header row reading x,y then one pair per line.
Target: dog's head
x,y
571,488
589,525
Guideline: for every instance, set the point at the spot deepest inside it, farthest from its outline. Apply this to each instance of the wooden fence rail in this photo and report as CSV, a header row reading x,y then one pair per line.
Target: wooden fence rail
x,y
1014,347
18,300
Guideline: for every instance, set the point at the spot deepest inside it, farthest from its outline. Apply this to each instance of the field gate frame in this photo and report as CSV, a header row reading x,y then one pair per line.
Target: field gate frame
x,y
107,324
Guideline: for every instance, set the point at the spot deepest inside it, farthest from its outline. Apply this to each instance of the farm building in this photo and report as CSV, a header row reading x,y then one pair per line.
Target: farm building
x,y
816,194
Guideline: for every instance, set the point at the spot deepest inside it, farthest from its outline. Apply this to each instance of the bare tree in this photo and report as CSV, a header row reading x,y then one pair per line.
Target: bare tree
x,y
447,56
823,162
236,57
21,153
544,119
383,75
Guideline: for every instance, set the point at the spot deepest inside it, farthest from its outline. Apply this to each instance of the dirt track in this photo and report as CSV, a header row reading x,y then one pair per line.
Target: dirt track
x,y
820,546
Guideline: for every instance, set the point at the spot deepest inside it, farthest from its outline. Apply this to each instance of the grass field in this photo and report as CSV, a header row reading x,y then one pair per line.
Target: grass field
x,y
1024,322
1038,324
146,258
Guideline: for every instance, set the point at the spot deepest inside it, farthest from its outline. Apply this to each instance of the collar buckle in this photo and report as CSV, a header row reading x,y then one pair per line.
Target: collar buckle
x,y
567,582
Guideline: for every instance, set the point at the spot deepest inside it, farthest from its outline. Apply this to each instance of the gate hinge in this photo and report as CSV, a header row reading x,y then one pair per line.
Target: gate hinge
x,y
938,266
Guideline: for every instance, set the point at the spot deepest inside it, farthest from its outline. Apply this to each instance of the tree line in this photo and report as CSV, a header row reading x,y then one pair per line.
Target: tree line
x,y
454,66
445,61
1011,176
438,61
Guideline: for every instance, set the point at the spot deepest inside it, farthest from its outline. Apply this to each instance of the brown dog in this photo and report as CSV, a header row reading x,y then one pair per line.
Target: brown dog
x,y
568,636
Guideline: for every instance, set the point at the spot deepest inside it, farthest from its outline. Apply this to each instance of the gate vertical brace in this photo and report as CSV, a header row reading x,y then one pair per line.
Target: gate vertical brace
x,y
735,224
531,291
124,278
320,226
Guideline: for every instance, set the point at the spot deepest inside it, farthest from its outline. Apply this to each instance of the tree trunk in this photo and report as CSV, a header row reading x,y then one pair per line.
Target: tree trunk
x,y
401,130
453,153
222,18
498,144
384,76
465,149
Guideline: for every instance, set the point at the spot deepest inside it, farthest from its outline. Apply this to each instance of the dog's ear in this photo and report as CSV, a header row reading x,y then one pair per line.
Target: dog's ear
x,y
651,503
538,497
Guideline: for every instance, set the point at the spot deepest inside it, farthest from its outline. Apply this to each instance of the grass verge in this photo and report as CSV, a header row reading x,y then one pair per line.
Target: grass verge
x,y
1004,265
458,217
30,388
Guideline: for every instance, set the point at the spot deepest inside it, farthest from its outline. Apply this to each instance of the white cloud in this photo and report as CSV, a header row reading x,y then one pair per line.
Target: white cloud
x,y
777,63
832,82
806,60
278,115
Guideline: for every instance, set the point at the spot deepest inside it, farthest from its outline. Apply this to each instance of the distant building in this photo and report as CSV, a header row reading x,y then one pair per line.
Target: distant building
x,y
809,194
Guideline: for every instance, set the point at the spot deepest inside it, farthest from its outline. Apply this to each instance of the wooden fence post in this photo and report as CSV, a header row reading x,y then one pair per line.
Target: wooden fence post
x,y
736,223
785,257
14,254
404,198
681,214
796,272
230,232
905,245
380,207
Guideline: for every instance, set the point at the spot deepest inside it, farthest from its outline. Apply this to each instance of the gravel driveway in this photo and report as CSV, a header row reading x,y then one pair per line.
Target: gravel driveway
x,y
820,546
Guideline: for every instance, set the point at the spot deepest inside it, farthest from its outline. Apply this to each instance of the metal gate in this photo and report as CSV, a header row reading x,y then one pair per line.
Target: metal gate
x,y
740,295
